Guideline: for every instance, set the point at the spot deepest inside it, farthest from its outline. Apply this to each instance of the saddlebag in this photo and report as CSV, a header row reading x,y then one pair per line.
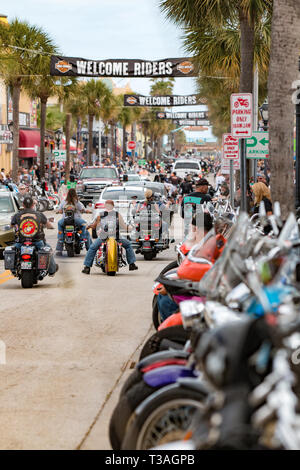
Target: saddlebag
x,y
10,258
44,258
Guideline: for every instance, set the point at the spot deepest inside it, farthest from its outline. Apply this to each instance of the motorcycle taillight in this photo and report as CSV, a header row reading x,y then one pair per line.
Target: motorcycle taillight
x,y
26,256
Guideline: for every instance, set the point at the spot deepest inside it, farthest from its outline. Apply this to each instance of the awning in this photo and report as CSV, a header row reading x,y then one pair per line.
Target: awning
x,y
29,139
72,145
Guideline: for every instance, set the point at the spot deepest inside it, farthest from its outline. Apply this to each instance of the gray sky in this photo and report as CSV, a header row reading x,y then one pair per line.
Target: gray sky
x,y
109,29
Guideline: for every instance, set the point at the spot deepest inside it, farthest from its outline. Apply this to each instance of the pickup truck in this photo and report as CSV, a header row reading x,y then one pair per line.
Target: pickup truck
x,y
93,179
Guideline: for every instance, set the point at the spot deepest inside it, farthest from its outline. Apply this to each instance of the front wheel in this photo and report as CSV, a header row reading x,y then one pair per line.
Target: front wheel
x,y
27,279
164,418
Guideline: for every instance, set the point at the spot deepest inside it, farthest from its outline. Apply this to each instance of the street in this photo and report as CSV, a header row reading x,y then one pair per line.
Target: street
x,y
70,342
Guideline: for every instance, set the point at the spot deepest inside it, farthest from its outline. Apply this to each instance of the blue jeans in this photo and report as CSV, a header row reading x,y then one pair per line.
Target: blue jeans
x,y
80,223
41,244
88,261
166,306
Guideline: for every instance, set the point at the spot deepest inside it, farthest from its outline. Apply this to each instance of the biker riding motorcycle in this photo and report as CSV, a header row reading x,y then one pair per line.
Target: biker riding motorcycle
x,y
110,222
72,201
155,206
39,221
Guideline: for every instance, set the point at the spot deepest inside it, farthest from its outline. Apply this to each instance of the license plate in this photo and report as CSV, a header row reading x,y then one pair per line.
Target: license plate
x,y
26,265
69,228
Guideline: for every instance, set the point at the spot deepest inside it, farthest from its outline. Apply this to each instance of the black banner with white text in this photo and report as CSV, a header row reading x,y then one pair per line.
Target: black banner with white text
x,y
163,100
76,67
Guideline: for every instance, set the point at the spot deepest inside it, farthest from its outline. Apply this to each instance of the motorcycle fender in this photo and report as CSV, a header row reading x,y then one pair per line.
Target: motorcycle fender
x,y
162,355
167,375
192,384
146,402
111,255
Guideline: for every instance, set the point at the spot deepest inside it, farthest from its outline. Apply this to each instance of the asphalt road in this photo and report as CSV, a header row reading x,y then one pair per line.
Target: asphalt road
x,y
70,342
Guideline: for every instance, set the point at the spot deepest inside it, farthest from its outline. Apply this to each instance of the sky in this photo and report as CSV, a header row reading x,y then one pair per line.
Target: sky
x,y
109,29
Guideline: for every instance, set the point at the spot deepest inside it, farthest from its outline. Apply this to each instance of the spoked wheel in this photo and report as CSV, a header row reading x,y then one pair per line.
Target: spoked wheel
x,y
27,279
165,418
42,205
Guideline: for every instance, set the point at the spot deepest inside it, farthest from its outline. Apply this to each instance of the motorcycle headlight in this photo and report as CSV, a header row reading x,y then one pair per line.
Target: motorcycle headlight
x,y
5,228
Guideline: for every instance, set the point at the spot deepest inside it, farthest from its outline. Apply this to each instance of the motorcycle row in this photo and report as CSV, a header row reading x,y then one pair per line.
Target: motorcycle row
x,y
222,372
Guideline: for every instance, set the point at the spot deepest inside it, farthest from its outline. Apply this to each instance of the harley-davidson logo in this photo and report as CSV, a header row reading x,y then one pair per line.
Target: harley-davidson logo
x,y
161,115
63,66
185,67
131,100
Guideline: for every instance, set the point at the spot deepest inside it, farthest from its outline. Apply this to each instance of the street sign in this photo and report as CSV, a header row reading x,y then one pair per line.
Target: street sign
x,y
241,115
258,145
225,165
142,162
60,155
230,147
131,145
71,184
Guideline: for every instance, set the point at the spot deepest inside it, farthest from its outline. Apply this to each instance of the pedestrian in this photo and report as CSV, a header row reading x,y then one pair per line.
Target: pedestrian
x,y
262,193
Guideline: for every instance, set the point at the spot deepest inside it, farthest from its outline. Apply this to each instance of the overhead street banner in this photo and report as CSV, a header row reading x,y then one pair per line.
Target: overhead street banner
x,y
191,122
78,67
163,100
187,115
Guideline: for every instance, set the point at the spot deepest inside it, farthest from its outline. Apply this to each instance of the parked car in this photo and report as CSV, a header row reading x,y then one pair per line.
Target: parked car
x,y
8,207
93,179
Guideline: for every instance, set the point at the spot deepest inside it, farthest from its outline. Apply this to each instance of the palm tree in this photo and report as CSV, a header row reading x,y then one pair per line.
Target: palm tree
x,y
96,98
283,72
160,128
23,49
195,14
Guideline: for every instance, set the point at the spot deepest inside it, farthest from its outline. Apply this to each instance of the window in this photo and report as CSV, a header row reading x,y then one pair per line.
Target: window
x,y
125,195
99,173
6,204
187,166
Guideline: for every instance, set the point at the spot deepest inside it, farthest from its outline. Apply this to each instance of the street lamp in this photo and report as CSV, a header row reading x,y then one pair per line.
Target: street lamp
x,y
58,137
264,112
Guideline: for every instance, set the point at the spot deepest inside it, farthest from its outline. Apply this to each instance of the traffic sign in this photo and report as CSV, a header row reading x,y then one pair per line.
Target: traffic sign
x,y
258,145
131,145
142,162
230,147
241,115
225,165
60,155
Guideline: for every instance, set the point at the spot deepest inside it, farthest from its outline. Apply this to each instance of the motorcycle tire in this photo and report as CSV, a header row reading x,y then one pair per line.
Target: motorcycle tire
x,y
77,249
148,256
169,267
70,251
123,411
156,318
27,279
133,379
111,273
174,336
164,418
42,206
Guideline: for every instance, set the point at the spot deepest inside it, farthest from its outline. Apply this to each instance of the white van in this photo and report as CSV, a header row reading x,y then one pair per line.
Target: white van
x,y
185,167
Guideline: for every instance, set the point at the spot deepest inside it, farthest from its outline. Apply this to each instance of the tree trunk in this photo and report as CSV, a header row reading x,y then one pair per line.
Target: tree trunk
x,y
124,142
283,72
247,65
90,143
146,143
112,138
68,136
16,131
42,135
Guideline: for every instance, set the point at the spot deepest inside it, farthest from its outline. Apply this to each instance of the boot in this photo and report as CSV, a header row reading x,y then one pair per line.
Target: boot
x,y
86,270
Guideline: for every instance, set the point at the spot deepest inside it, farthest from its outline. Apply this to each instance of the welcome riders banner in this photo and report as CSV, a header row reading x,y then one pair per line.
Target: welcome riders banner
x,y
77,67
187,115
163,100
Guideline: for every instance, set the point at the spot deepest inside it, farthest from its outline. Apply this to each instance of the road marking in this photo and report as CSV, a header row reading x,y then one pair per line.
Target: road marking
x,y
5,276
5,273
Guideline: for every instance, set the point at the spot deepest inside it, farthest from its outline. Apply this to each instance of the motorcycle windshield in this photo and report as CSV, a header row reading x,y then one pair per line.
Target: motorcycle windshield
x,y
226,273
